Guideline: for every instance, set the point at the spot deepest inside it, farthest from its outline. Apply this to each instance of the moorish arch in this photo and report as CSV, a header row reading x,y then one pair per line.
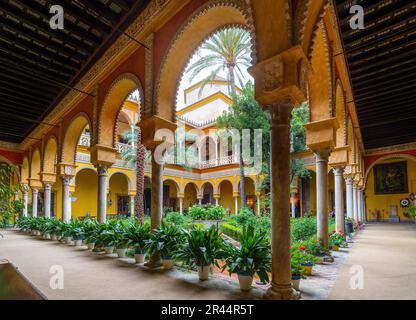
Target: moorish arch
x,y
119,91
50,155
25,171
71,137
35,167
320,78
191,193
340,115
226,191
125,176
200,26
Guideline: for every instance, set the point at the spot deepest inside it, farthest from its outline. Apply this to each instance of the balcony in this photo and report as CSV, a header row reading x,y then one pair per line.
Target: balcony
x,y
85,141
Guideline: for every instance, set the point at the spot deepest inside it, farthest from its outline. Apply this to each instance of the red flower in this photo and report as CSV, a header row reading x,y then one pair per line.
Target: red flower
x,y
302,248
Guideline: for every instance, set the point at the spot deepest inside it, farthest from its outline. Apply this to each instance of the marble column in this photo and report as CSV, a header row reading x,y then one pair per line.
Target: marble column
x,y
48,193
293,204
258,206
350,197
363,205
281,286
157,208
236,205
102,193
35,196
132,206
180,205
339,198
322,196
66,199
16,196
355,201
360,203
200,201
217,200
25,202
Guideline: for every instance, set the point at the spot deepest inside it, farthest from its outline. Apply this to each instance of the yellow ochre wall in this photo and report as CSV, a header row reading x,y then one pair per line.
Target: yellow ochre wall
x,y
86,186
118,186
383,202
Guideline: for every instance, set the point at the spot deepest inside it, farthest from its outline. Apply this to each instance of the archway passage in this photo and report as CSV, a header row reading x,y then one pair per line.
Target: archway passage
x,y
72,136
208,194
390,180
226,196
190,196
170,195
84,202
147,198
118,203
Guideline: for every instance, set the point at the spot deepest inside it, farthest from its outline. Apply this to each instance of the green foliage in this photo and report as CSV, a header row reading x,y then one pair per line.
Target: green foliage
x,y
202,247
300,116
137,233
9,208
207,212
176,218
246,216
252,257
230,230
303,229
338,239
165,240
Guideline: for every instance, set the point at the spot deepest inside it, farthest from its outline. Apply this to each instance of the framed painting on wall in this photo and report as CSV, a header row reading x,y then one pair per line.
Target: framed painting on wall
x,y
390,178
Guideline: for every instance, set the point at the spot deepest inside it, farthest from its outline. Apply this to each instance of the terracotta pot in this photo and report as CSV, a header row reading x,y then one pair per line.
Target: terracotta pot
x,y
308,269
335,248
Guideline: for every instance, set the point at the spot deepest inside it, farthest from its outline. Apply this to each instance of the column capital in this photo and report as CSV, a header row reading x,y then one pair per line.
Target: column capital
x,y
338,171
47,185
349,179
283,77
35,190
102,169
66,180
322,155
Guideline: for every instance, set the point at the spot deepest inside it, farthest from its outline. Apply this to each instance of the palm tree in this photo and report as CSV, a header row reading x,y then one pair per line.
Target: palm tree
x,y
136,156
227,51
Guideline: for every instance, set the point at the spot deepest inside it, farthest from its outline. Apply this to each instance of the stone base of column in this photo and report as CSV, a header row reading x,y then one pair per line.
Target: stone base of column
x,y
274,293
329,258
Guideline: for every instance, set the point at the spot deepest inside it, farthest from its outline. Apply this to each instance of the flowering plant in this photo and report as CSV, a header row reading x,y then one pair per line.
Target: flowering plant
x,y
338,239
314,248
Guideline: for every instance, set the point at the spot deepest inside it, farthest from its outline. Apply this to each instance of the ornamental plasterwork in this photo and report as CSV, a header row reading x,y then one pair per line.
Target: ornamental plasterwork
x,y
149,74
122,43
244,6
273,74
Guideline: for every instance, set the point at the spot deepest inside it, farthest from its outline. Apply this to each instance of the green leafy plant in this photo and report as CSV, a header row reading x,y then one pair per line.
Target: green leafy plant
x,y
252,257
313,247
137,235
176,218
215,213
165,240
303,229
207,212
246,216
338,239
202,247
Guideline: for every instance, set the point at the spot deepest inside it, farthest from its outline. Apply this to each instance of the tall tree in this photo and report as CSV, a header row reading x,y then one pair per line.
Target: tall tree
x,y
246,113
227,51
136,156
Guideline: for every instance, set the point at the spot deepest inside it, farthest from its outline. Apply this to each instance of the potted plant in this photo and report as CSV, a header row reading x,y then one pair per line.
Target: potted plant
x,y
250,258
349,225
138,233
337,240
165,240
307,261
297,270
109,239
202,248
91,228
207,215
315,249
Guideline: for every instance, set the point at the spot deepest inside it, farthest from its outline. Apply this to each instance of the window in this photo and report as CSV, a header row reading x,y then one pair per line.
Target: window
x,y
123,204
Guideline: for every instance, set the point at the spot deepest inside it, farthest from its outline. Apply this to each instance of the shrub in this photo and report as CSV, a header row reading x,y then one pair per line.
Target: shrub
x,y
165,240
302,229
215,213
176,218
207,212
246,216
231,230
197,212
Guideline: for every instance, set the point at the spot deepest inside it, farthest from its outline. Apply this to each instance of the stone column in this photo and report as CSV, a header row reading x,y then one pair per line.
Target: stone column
x,y
350,201
25,202
364,207
360,202
35,195
322,196
217,199
102,193
339,199
157,207
200,201
236,205
66,199
16,196
293,204
48,193
281,286
258,206
180,205
355,201
132,206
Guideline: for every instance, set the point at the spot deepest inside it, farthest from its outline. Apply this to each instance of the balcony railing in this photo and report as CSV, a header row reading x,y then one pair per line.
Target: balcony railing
x,y
85,141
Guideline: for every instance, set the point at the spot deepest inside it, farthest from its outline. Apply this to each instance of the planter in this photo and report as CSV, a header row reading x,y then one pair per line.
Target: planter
x,y
168,263
68,240
54,238
320,259
91,245
307,267
47,236
78,242
139,255
245,281
296,282
121,253
335,248
349,227
108,250
203,272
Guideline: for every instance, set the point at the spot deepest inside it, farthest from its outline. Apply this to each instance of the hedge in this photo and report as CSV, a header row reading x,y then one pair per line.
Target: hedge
x,y
231,231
